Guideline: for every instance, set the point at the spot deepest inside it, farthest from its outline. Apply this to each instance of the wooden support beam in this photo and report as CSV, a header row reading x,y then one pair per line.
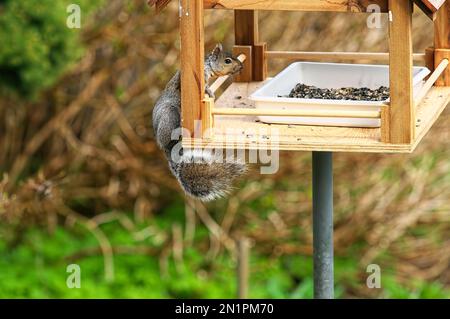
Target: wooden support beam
x,y
440,69
297,5
402,111
207,117
429,58
247,34
246,27
361,114
442,28
259,62
329,56
385,124
192,63
442,41
439,56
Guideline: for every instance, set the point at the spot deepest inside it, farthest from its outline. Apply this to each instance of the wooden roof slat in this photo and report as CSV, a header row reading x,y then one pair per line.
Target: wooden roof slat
x,y
429,6
433,5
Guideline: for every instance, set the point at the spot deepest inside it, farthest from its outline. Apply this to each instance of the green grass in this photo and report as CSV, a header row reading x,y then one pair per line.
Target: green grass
x,y
36,268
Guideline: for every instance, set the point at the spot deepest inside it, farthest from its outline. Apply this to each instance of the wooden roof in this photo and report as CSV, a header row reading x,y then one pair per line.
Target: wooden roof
x,y
433,5
426,5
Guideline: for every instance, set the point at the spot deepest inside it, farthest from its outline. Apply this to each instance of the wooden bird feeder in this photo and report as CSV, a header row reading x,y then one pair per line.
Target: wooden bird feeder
x,y
404,120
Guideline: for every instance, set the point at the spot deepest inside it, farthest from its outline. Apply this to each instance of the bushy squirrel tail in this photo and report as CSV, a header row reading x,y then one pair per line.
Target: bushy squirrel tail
x,y
203,177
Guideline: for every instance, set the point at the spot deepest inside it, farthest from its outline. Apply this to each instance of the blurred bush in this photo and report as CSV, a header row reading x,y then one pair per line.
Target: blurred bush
x,y
37,45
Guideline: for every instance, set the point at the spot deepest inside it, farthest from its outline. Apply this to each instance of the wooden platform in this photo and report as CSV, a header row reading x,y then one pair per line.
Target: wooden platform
x,y
234,132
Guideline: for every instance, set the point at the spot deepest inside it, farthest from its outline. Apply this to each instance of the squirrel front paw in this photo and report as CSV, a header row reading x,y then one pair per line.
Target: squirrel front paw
x,y
210,93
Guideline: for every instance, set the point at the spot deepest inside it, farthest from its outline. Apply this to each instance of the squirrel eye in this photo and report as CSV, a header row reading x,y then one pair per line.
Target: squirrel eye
x,y
228,61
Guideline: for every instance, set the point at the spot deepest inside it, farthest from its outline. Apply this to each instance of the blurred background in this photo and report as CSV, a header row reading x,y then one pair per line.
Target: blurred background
x,y
83,182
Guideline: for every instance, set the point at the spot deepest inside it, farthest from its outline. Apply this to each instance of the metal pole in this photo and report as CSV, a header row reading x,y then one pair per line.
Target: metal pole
x,y
323,225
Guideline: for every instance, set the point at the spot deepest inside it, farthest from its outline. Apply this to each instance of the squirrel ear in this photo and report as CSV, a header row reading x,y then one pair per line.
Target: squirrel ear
x,y
217,50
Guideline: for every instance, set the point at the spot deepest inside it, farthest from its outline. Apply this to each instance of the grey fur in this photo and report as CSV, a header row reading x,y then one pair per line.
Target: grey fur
x,y
199,175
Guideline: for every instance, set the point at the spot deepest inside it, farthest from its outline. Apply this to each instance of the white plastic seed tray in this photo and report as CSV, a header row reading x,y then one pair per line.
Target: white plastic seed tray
x,y
327,75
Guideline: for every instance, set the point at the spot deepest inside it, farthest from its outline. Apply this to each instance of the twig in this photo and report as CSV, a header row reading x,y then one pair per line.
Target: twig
x,y
117,250
177,246
103,241
189,232
243,267
68,113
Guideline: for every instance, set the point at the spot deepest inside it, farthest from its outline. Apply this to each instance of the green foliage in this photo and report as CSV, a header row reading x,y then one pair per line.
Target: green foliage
x,y
36,46
36,268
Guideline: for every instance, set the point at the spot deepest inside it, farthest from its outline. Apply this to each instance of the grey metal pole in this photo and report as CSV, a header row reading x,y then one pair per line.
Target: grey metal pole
x,y
323,225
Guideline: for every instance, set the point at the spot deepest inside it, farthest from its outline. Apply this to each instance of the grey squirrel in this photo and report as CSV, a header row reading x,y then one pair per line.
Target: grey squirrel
x,y
199,173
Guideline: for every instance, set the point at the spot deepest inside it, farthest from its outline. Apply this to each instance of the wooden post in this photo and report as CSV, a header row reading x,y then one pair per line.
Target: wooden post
x,y
243,247
385,124
192,63
402,112
442,42
259,62
247,34
429,58
207,117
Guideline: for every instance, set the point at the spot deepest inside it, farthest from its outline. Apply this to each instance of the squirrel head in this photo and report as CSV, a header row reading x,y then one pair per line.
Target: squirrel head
x,y
223,63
